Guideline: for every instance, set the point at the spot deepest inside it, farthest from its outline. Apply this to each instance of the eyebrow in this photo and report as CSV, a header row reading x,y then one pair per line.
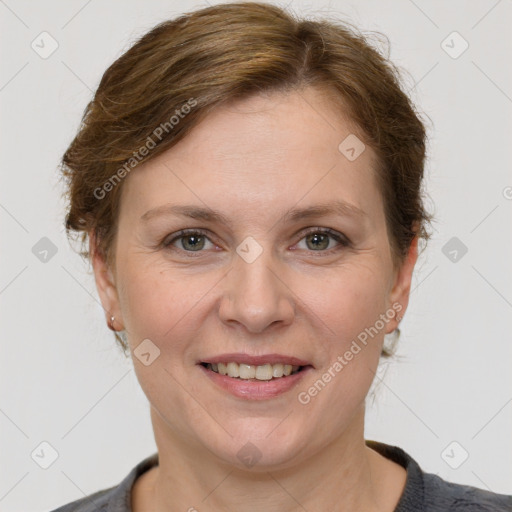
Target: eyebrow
x,y
338,207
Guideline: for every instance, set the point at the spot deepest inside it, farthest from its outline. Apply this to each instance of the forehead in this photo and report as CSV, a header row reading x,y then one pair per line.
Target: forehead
x,y
261,153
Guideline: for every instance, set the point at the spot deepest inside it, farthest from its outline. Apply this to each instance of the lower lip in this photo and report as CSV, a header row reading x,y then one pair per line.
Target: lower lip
x,y
256,389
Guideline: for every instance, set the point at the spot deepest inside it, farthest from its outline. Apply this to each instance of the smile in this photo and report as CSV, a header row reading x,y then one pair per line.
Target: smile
x,y
254,377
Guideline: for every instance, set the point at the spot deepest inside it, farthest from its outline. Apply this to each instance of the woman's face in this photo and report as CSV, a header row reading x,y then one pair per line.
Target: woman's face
x,y
258,280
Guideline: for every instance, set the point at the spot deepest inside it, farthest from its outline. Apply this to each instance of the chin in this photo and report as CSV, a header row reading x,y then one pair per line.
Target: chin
x,y
260,447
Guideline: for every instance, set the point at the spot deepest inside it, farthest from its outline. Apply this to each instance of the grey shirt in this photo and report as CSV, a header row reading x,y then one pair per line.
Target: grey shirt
x,y
423,492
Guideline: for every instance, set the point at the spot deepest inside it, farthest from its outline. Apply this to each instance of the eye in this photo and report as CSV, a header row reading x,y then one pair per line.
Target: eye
x,y
192,240
318,239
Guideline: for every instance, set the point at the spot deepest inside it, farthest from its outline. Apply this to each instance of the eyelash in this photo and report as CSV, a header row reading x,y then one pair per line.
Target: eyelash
x,y
341,239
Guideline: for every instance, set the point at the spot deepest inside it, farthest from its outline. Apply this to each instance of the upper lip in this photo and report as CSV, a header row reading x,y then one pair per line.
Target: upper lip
x,y
256,360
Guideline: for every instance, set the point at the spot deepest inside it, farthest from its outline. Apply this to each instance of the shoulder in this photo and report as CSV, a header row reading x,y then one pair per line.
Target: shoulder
x,y
443,495
112,499
97,502
426,492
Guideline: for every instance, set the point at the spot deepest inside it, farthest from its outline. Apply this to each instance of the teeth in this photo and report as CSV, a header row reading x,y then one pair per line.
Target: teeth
x,y
250,371
277,370
233,370
247,371
264,372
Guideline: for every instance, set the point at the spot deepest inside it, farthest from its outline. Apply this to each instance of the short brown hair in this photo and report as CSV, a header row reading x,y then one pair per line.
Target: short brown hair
x,y
225,52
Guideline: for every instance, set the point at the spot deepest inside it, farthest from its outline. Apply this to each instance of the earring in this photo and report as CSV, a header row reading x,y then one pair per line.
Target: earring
x,y
398,319
110,323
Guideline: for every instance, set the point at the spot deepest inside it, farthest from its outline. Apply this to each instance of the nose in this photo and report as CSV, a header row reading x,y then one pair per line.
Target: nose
x,y
256,295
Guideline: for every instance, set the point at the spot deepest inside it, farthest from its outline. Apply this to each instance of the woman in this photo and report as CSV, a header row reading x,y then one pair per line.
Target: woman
x,y
249,185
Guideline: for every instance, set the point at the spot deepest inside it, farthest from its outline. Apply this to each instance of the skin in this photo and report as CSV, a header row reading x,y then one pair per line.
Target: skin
x,y
253,160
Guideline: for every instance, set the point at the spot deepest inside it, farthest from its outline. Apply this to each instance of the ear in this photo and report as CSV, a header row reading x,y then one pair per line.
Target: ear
x,y
105,284
399,295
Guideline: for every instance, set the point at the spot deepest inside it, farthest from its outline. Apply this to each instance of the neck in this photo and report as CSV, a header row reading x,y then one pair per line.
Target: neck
x,y
344,475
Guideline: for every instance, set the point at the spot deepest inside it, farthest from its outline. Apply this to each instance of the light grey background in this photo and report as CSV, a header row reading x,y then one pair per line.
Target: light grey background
x,y
64,381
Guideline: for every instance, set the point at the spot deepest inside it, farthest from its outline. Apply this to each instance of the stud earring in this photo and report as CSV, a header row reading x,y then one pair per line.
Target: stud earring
x,y
110,323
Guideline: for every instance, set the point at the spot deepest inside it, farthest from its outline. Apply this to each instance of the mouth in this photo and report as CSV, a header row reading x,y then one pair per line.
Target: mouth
x,y
263,372
252,377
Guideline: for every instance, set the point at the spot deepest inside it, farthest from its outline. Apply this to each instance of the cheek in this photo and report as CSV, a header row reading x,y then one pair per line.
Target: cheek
x,y
348,302
152,301
349,309
159,303
167,307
